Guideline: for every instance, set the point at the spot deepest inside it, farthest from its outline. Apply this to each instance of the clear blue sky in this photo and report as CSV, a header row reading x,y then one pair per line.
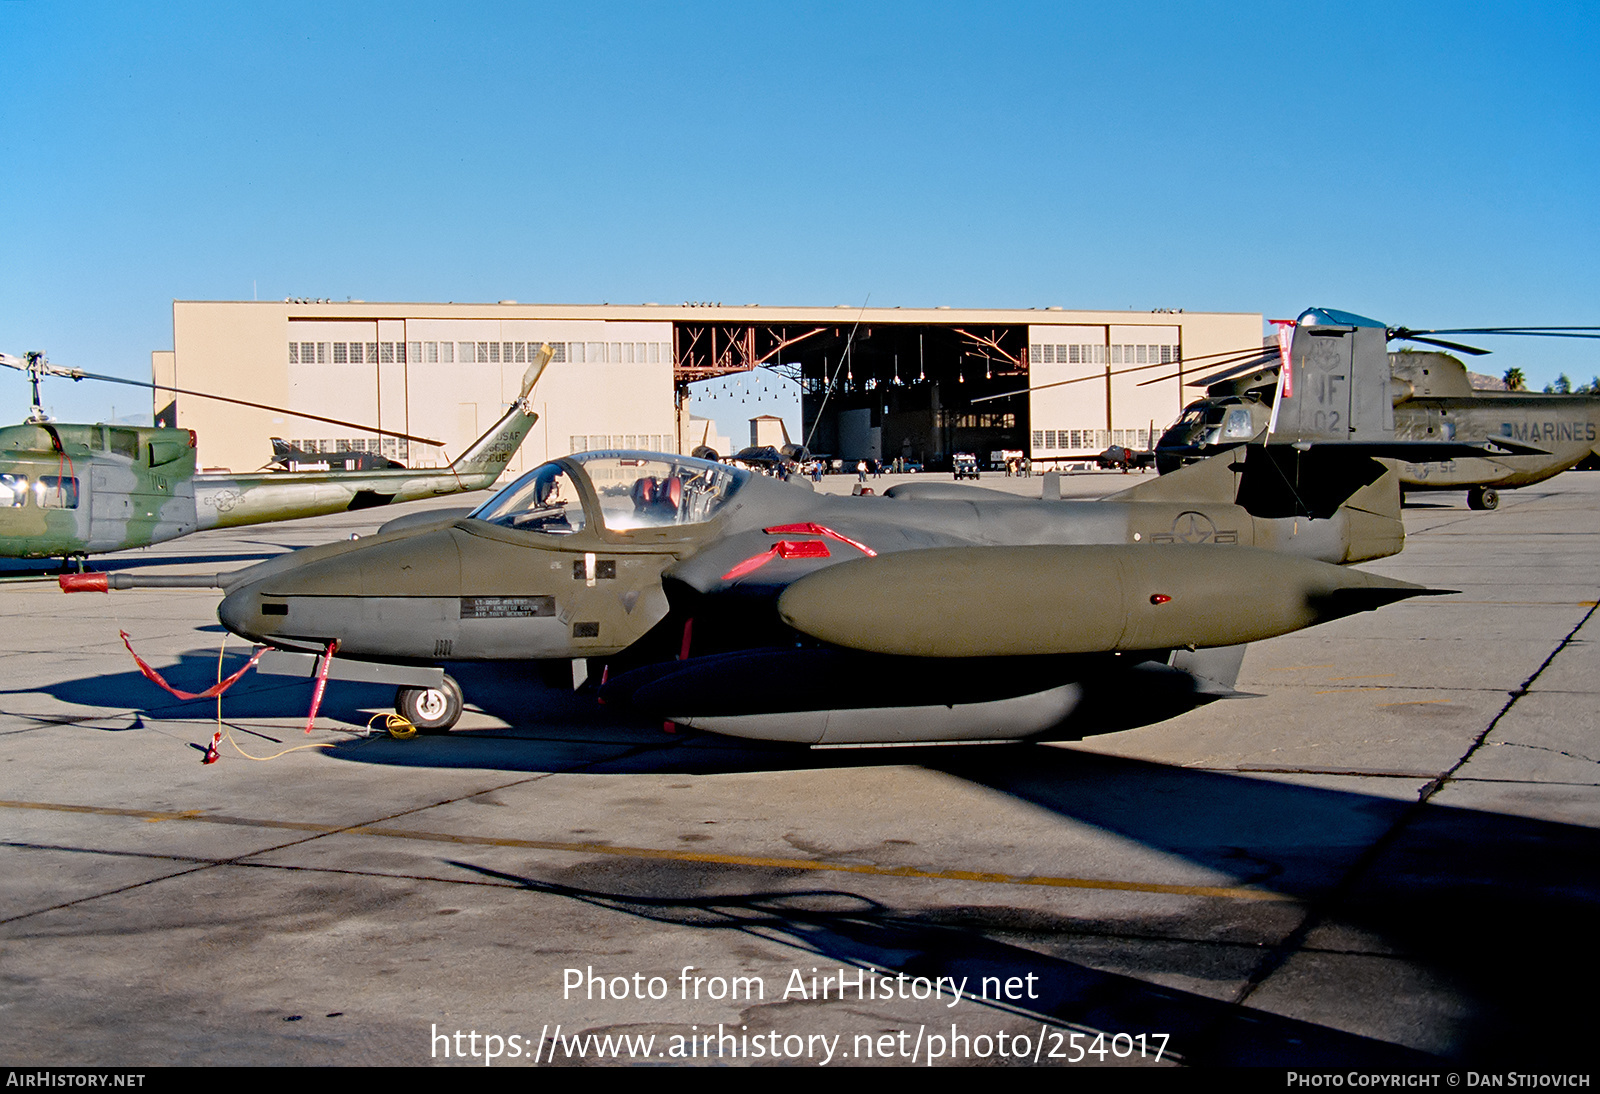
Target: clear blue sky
x,y
1428,164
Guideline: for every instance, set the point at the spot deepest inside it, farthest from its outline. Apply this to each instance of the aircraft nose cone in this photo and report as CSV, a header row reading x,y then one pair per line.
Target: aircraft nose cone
x,y
240,611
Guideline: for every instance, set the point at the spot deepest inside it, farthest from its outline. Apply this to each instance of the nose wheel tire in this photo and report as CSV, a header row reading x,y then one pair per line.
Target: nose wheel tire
x,y
431,710
1483,497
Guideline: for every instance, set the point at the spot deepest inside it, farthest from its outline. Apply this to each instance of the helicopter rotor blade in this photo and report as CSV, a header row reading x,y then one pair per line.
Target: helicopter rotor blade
x,y
1536,332
1248,357
1237,370
1411,336
45,368
257,406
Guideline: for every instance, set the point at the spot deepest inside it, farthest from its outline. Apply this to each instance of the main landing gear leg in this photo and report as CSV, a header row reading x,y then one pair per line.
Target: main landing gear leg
x,y
431,710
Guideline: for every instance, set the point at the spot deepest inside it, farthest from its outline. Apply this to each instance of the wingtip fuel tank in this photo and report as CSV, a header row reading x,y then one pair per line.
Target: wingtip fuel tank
x,y
1030,600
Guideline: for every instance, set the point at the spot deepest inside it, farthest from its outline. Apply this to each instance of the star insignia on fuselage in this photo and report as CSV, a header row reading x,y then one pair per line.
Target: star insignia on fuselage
x,y
1193,527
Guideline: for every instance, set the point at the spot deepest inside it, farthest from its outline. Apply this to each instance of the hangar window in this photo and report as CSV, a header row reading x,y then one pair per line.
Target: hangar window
x,y
294,353
339,357
561,352
447,352
356,355
597,352
416,351
386,352
580,441
468,355
430,352
322,353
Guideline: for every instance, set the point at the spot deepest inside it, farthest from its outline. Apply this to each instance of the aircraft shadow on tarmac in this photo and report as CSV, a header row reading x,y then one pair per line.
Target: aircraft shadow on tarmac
x,y
1494,912
857,931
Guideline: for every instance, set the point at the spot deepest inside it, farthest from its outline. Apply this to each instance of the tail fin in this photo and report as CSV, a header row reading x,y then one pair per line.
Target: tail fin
x,y
1334,383
489,454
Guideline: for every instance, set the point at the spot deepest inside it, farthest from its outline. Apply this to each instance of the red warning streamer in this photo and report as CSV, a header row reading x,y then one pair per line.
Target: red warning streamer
x,y
210,693
322,682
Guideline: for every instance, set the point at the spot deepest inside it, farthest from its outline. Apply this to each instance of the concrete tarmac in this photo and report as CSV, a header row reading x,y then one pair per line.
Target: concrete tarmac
x,y
1384,858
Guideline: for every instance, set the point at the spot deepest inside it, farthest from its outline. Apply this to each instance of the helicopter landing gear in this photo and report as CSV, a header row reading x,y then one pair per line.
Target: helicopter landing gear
x,y
1483,497
431,710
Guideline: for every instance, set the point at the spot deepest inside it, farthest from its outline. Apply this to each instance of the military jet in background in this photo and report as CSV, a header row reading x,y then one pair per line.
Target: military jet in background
x,y
73,490
1534,436
721,599
287,457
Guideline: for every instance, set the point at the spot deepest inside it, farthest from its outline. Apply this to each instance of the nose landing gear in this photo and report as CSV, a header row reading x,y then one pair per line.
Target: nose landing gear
x,y
431,710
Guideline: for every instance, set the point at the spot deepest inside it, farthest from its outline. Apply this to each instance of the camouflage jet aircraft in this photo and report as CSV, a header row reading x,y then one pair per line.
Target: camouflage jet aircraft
x,y
1535,436
286,457
73,490
737,603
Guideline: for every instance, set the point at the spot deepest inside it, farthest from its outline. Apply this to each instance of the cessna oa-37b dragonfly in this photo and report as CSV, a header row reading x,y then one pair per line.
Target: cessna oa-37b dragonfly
x,y
938,612
1538,436
74,490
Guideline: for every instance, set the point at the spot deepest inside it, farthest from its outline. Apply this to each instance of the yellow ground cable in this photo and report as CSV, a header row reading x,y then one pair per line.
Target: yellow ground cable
x,y
222,729
398,726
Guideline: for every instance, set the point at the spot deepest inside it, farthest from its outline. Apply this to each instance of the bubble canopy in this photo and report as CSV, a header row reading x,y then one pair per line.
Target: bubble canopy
x,y
630,489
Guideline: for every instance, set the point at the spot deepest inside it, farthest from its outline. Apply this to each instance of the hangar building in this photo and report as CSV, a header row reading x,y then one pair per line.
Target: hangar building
x,y
874,382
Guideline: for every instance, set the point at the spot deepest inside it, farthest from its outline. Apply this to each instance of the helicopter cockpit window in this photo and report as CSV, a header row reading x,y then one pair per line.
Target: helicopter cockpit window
x,y
56,492
1239,427
652,491
13,491
543,500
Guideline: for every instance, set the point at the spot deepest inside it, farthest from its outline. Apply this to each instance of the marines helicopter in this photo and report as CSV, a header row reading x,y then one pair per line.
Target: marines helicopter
x,y
725,600
1540,435
68,491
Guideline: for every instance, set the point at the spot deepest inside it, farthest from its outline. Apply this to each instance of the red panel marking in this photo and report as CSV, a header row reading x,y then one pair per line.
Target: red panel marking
x,y
810,529
784,548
